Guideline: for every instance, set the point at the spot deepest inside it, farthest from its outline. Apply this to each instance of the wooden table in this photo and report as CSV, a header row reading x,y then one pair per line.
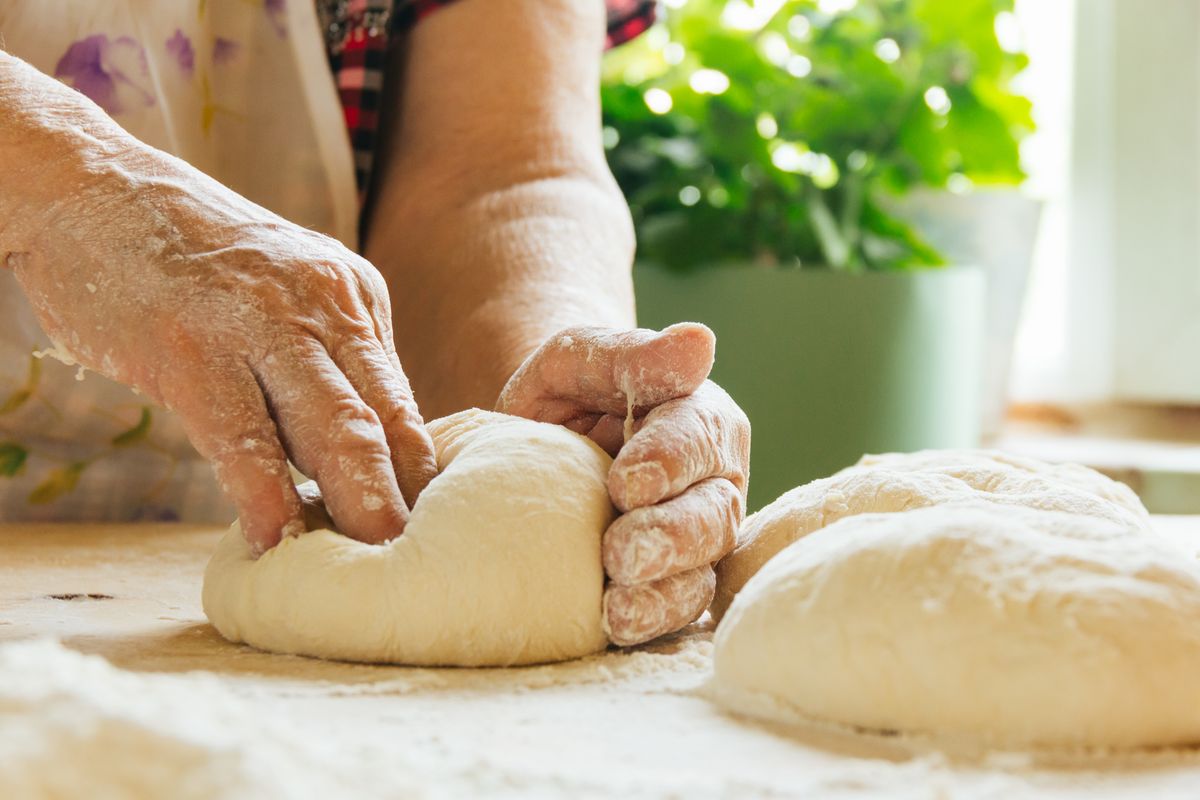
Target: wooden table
x,y
633,723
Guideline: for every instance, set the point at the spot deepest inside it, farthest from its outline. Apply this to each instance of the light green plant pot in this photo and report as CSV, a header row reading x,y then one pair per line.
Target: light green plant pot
x,y
829,366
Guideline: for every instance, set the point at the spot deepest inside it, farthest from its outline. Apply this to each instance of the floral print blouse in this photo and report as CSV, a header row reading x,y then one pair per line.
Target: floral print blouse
x,y
240,89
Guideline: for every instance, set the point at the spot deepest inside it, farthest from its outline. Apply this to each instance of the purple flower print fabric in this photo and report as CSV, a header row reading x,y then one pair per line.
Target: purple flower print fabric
x,y
112,72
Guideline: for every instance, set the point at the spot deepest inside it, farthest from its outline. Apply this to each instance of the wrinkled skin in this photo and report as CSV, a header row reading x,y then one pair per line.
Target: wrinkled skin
x,y
271,341
263,358
679,481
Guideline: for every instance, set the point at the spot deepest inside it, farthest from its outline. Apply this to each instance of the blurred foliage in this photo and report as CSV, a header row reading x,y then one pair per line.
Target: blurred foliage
x,y
793,125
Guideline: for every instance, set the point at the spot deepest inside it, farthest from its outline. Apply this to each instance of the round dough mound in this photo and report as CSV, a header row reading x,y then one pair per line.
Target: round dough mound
x,y
1001,625
499,564
901,482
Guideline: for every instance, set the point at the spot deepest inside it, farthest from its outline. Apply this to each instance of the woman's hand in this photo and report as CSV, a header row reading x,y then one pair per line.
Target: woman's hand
x,y
679,481
270,341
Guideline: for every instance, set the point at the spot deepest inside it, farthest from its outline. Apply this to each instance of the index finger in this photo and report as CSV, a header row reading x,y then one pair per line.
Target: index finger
x,y
334,437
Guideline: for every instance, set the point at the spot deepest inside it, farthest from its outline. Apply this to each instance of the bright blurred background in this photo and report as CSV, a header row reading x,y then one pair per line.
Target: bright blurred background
x,y
928,223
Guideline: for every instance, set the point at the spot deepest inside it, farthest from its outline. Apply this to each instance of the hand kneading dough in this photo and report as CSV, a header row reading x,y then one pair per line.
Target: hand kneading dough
x,y
1000,624
900,482
499,564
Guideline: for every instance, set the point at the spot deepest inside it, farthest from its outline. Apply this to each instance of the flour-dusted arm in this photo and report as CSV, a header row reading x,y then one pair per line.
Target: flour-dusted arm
x,y
267,339
497,212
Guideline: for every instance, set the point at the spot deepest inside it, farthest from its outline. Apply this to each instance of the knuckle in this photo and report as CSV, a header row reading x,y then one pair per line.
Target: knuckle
x,y
732,511
353,417
228,432
342,276
575,334
353,435
727,435
346,287
737,508
739,422
371,282
353,347
724,494
244,452
714,423
396,415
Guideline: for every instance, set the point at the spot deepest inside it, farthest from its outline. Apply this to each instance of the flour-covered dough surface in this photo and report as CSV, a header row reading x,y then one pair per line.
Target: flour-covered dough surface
x,y
499,564
996,600
901,482
1000,624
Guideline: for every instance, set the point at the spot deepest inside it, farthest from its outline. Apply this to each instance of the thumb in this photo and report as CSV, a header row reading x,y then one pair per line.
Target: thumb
x,y
601,368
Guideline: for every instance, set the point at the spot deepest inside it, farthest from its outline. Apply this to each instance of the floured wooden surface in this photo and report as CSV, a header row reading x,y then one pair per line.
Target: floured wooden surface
x,y
622,724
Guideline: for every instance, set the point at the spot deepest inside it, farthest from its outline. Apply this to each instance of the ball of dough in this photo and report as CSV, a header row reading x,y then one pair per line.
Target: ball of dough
x,y
1003,625
900,482
499,564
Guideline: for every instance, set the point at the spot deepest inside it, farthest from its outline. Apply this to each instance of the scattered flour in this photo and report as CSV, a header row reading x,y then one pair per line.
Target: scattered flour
x,y
73,726
630,724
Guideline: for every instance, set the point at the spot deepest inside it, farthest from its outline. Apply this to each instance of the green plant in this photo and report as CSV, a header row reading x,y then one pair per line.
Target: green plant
x,y
782,132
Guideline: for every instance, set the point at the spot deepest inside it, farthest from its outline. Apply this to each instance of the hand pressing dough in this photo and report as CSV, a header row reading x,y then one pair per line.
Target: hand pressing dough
x,y
499,564
1000,624
900,482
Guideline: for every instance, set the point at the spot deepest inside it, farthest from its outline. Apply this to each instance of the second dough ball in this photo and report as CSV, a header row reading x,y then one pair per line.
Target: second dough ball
x,y
993,623
898,482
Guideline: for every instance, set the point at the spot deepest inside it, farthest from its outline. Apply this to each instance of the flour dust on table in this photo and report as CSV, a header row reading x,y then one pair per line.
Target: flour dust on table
x,y
499,563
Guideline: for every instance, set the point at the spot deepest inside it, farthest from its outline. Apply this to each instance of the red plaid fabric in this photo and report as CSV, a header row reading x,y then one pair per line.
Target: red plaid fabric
x,y
358,34
628,18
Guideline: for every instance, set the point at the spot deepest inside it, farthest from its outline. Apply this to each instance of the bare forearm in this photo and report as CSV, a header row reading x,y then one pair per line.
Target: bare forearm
x,y
478,286
46,132
91,216
65,165
498,222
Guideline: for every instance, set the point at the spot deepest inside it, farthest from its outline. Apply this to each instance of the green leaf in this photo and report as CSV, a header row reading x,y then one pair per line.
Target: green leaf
x,y
892,243
57,483
137,432
19,397
825,88
833,245
15,400
12,459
